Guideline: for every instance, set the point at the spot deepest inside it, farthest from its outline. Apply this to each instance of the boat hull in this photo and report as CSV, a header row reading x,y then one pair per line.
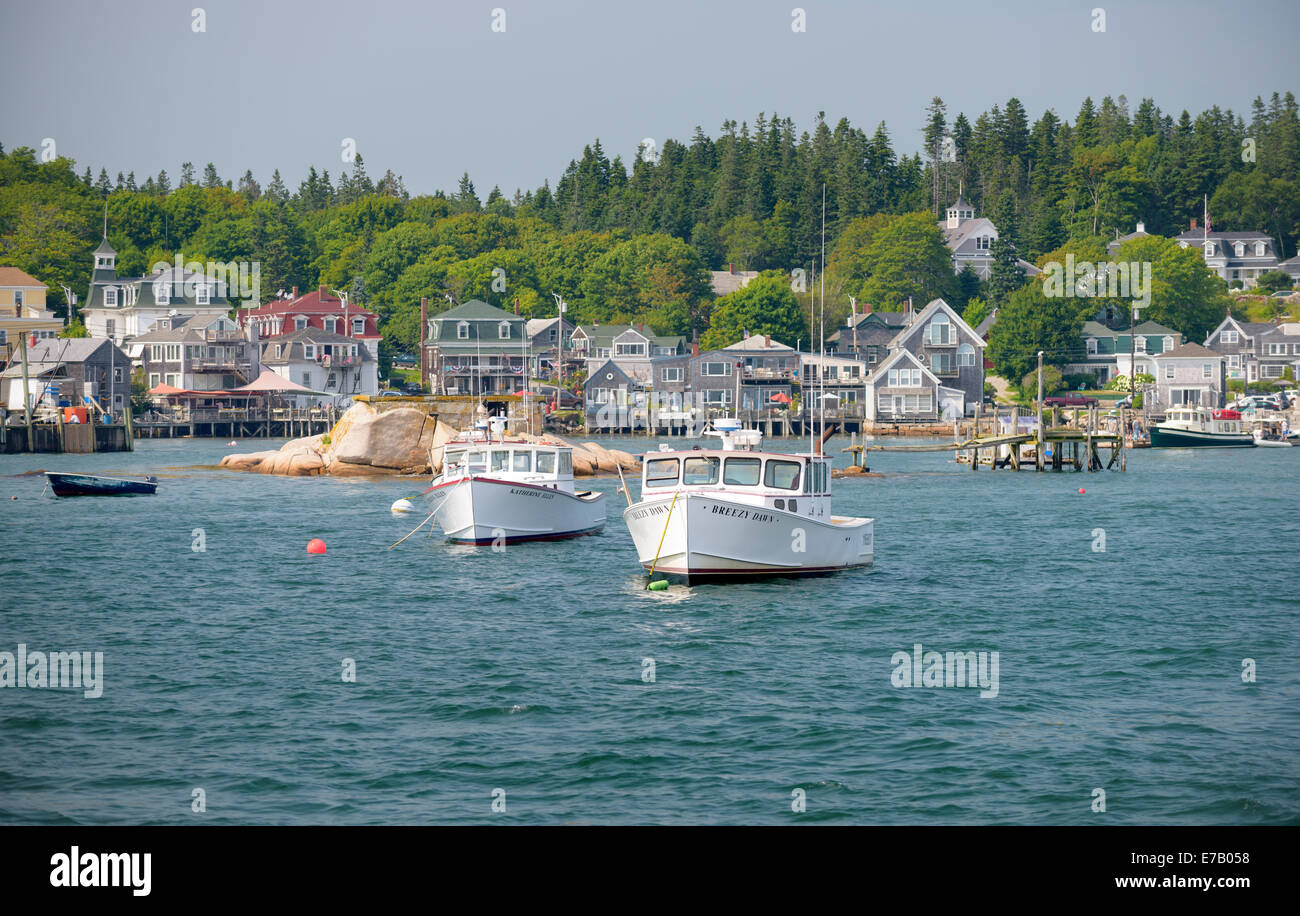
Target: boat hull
x,y
1165,437
480,510
706,539
90,485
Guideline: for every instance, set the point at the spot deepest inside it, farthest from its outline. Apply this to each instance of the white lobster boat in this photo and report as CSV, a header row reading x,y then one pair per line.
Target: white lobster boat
x,y
737,513
1201,427
498,490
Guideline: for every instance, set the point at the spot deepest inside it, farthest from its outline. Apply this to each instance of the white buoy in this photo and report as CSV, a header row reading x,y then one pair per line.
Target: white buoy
x,y
403,505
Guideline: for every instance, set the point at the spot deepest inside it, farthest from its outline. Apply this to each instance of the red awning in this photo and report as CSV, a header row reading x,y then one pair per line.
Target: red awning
x,y
164,389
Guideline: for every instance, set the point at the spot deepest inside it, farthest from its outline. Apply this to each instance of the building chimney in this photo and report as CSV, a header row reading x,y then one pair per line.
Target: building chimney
x,y
695,344
516,305
320,290
1193,222
295,293
767,340
731,267
866,309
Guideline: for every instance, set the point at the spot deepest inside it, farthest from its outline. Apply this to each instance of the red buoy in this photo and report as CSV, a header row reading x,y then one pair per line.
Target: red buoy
x,y
315,545
1080,491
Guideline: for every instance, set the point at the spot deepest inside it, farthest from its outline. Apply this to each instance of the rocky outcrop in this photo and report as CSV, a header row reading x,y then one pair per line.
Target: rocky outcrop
x,y
368,443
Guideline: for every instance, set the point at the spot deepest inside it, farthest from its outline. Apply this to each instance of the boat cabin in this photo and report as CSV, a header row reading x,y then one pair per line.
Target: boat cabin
x,y
1204,419
791,483
517,461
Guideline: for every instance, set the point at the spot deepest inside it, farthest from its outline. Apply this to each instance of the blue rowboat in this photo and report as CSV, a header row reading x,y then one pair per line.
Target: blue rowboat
x,y
91,485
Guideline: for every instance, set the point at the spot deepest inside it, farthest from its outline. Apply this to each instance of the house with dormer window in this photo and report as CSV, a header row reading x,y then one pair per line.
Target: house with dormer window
x,y
475,348
120,308
971,239
1235,256
319,309
632,347
903,390
948,348
1105,352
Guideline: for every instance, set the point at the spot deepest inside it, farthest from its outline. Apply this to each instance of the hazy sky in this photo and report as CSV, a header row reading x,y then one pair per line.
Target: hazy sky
x,y
429,90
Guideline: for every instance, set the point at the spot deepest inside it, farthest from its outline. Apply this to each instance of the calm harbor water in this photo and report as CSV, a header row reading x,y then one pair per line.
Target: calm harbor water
x,y
526,670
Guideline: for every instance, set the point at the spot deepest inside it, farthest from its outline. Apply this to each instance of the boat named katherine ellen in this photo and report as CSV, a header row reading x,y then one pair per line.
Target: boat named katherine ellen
x,y
1201,427
498,490
737,513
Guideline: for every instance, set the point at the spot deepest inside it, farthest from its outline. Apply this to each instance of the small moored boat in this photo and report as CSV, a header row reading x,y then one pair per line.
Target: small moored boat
x,y
96,485
737,513
1201,427
495,489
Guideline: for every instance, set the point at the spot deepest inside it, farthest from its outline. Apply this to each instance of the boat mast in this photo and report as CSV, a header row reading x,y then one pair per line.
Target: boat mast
x,y
821,370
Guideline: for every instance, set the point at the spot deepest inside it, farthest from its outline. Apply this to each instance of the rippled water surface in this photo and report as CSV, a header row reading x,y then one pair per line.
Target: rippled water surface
x,y
523,670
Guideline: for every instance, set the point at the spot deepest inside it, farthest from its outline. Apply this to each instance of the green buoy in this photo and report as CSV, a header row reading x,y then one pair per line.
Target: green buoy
x,y
658,585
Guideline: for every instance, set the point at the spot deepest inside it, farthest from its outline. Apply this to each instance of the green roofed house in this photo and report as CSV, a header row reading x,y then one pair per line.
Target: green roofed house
x,y
475,348
631,347
1105,351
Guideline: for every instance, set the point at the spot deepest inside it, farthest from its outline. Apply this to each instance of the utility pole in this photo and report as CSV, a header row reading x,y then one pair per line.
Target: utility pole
x,y
27,398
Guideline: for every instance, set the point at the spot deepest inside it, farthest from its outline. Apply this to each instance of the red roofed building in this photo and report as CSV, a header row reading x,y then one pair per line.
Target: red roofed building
x,y
316,309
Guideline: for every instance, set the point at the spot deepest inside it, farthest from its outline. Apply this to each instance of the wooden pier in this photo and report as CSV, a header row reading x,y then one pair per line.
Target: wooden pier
x,y
277,423
1083,444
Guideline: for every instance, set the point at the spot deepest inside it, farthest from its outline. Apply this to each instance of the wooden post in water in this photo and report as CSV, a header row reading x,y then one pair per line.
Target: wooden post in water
x,y
1038,450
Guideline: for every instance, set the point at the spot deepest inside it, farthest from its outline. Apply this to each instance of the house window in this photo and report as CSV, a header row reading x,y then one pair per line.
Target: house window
x,y
941,363
629,349
331,325
1239,249
1141,344
309,351
173,379
673,374
983,243
1259,249
1207,370
904,378
462,330
279,350
173,353
110,326
154,379
1228,337
1168,344
717,397
503,330
117,375
717,369
1091,344
358,325
1209,249
110,296
306,379
1234,361
1277,349
203,294
966,355
939,332
162,293
1169,371
18,297
602,395
299,323
332,380
1270,371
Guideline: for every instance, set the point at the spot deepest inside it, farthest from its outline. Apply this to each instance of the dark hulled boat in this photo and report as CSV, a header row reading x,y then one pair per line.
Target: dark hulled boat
x,y
93,485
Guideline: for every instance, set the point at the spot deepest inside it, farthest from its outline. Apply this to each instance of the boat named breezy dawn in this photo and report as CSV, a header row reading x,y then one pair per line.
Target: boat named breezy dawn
x,y
736,513
1200,427
494,489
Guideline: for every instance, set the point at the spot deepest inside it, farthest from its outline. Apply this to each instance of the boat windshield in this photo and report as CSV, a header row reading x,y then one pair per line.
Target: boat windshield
x,y
522,462
546,462
782,475
661,472
700,471
742,472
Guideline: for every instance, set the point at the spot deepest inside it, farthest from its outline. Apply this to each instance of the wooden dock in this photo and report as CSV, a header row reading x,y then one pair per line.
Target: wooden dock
x,y
1078,445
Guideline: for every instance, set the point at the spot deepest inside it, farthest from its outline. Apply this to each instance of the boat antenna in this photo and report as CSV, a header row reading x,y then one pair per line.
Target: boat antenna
x,y
821,371
811,389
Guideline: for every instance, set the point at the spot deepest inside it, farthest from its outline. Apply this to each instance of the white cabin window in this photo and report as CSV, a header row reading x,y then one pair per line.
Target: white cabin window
x,y
306,379
743,472
154,379
941,363
782,475
521,461
661,472
1234,361
1090,344
173,353
717,397
546,462
965,355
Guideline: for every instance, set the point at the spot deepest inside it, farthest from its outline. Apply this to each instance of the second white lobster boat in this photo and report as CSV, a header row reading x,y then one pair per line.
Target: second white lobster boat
x,y
736,513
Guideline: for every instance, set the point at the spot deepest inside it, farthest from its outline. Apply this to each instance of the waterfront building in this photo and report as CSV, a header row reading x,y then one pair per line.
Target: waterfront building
x,y
475,348
119,308
971,238
948,348
903,389
632,347
866,335
1189,375
71,370
23,312
323,361
319,309
187,352
1253,350
1106,351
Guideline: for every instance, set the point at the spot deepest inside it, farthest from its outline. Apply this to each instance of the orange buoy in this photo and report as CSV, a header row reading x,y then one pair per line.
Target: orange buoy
x,y
315,545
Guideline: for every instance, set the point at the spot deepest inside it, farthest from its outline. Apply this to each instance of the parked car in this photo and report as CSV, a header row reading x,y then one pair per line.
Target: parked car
x,y
567,398
1070,399
1256,402
1282,293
